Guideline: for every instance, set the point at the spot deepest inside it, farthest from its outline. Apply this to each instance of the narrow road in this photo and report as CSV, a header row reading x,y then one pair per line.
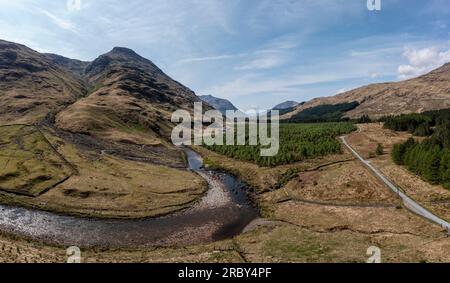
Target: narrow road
x,y
409,203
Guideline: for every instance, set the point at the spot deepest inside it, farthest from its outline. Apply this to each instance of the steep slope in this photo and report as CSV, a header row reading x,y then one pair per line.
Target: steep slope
x,y
131,100
123,102
31,86
218,103
72,65
428,92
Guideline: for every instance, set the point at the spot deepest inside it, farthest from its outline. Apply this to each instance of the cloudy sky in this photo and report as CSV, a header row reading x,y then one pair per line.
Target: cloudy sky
x,y
256,53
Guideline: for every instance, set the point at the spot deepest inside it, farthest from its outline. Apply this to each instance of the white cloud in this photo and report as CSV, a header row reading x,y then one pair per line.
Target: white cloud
x,y
253,84
376,52
62,23
375,75
211,58
262,63
422,61
74,5
236,49
271,55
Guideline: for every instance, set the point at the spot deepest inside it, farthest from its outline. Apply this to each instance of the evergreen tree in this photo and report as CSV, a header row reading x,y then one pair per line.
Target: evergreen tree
x,y
365,119
444,170
380,149
432,165
397,154
423,130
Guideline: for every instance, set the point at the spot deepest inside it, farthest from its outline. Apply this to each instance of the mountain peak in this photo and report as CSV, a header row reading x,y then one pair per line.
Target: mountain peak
x,y
218,103
125,54
286,105
121,57
124,51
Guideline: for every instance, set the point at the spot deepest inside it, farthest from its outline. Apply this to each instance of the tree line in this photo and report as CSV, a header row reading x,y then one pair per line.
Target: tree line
x,y
324,113
430,158
420,125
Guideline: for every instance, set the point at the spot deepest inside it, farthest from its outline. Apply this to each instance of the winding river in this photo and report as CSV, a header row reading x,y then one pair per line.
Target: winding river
x,y
222,213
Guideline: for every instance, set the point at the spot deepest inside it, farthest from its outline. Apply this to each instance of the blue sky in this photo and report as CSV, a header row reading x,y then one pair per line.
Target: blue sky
x,y
255,53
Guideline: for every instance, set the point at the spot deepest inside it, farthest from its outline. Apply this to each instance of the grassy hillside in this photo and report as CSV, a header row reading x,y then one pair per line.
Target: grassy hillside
x,y
425,93
29,164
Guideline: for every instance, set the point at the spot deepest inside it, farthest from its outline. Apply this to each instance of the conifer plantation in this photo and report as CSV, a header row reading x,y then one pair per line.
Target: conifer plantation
x,y
297,142
430,158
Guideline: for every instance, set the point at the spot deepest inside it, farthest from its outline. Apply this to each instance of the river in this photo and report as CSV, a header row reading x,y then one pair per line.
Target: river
x,y
222,213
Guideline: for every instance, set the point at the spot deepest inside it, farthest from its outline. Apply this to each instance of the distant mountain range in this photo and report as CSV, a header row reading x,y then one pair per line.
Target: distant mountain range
x,y
427,92
286,105
122,96
218,103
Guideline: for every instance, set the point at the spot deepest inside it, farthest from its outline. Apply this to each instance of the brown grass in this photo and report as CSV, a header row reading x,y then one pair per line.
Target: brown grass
x,y
332,212
346,183
434,198
108,186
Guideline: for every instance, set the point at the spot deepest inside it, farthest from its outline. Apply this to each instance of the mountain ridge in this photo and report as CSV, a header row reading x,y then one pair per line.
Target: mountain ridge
x,y
119,96
427,92
218,103
129,93
32,85
286,105
73,65
123,89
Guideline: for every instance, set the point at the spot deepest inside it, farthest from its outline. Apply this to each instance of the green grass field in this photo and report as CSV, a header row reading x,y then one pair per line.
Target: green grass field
x,y
297,142
28,164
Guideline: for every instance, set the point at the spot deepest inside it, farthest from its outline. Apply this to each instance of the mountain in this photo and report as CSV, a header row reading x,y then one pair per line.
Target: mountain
x,y
72,65
32,85
130,100
286,105
218,103
427,92
92,138
120,96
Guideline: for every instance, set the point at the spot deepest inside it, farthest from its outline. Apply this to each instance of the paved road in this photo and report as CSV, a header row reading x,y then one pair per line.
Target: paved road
x,y
409,203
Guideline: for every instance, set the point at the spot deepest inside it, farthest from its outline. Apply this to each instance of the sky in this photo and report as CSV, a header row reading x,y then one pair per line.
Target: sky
x,y
256,53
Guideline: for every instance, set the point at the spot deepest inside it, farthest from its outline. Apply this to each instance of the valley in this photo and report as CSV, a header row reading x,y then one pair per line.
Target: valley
x,y
331,211
86,159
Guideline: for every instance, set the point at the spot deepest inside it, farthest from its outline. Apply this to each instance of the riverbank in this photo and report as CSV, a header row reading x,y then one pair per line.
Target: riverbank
x,y
106,180
217,216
